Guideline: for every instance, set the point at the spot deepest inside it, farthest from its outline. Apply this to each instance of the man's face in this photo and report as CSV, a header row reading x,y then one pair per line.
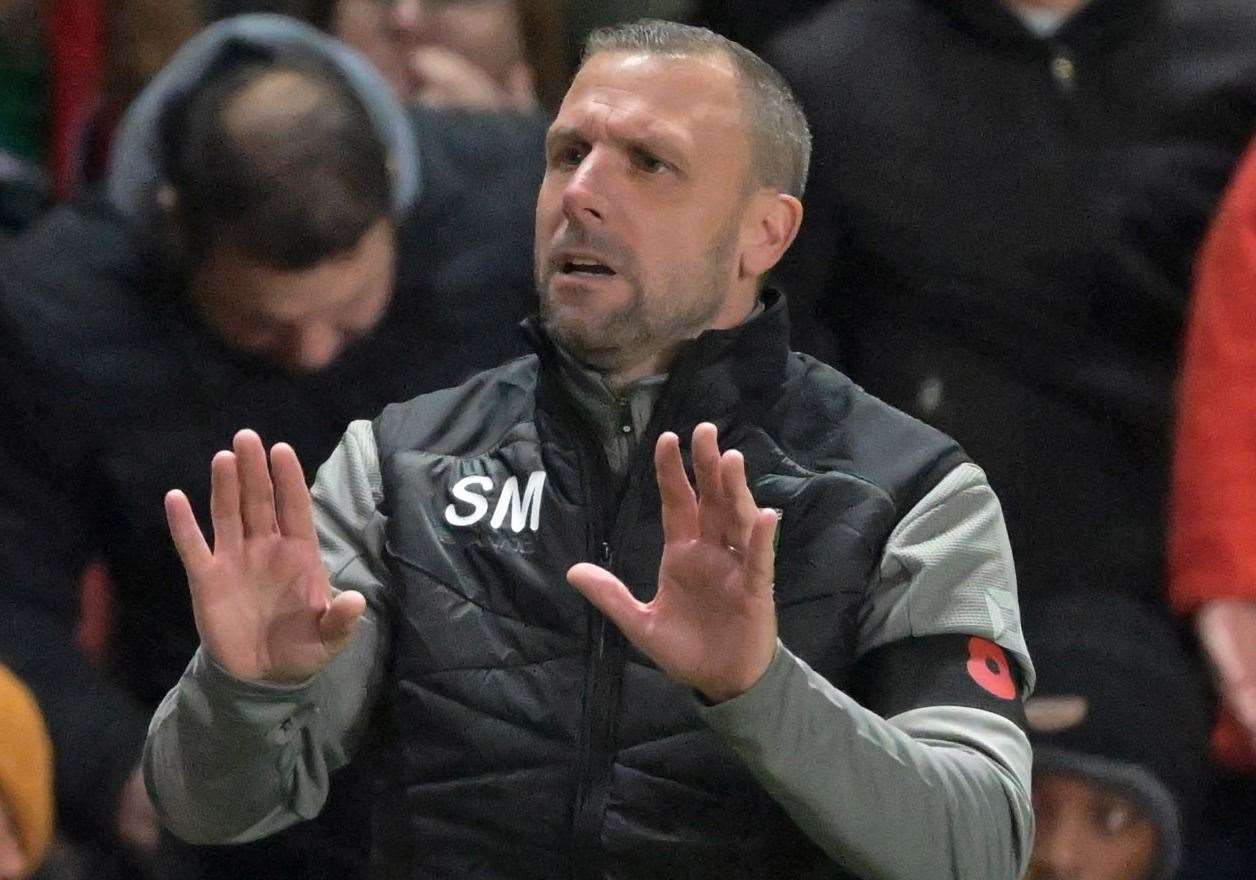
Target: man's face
x,y
1087,831
484,32
301,319
639,213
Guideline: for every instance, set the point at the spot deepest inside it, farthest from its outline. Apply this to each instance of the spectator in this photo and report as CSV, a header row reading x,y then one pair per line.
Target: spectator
x,y
25,781
507,55
153,307
1002,214
1212,552
1119,726
529,733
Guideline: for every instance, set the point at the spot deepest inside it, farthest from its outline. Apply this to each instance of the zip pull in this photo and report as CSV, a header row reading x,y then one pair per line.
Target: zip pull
x,y
604,552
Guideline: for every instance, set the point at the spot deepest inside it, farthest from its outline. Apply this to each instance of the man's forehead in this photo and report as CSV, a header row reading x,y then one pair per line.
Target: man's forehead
x,y
659,89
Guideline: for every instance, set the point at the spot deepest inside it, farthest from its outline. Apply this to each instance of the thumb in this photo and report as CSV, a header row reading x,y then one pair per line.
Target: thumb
x,y
608,594
340,620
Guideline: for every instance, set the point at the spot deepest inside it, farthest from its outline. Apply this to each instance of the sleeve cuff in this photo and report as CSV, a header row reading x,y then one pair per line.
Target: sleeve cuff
x,y
762,700
258,703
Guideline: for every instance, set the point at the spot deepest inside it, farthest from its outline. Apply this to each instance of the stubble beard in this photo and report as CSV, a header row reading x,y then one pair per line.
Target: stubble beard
x,y
648,324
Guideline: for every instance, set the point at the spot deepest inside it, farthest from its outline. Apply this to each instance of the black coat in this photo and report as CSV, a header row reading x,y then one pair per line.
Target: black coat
x,y
114,392
508,688
999,237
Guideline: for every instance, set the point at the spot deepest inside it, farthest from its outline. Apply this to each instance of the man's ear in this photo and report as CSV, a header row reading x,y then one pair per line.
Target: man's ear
x,y
771,225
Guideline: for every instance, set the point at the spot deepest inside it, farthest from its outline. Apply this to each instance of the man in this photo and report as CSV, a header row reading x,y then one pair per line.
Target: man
x,y
1118,770
264,230
1006,201
528,732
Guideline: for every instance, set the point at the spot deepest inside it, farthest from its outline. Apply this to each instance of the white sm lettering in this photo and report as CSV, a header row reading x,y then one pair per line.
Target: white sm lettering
x,y
471,492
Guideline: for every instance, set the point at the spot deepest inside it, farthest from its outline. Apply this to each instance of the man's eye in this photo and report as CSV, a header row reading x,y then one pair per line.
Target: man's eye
x,y
569,156
649,163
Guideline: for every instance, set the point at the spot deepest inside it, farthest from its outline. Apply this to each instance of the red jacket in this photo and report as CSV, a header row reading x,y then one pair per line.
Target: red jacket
x,y
1212,545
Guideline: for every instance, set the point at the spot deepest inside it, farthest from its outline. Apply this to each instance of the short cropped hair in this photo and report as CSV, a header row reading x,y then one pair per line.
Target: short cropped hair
x,y
780,138
290,183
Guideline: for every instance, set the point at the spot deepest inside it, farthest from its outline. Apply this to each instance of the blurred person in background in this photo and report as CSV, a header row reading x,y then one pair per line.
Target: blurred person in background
x,y
482,54
71,68
506,55
26,807
1212,559
1003,211
296,233
1119,725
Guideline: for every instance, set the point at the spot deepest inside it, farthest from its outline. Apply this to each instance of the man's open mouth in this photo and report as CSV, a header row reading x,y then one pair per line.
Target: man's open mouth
x,y
584,267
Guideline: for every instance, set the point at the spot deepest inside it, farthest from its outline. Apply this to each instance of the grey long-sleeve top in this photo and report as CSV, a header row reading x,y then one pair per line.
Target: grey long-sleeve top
x,y
933,793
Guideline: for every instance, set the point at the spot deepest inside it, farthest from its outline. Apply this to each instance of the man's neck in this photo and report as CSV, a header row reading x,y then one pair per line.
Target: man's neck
x,y
657,365
660,362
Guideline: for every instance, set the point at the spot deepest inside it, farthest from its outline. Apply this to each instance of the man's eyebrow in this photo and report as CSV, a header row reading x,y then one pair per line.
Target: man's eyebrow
x,y
648,140
562,134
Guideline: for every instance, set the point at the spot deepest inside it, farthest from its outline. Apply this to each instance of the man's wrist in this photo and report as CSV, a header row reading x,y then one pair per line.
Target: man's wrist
x,y
715,694
718,696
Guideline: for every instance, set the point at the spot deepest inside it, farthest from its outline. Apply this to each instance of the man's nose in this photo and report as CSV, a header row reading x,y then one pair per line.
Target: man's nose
x,y
586,194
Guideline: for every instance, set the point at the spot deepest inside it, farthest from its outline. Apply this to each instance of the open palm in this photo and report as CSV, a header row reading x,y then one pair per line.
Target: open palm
x,y
712,622
263,603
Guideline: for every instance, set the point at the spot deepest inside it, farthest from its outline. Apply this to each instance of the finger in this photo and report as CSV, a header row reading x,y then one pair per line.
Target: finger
x,y
257,495
340,620
679,505
740,508
224,501
190,543
761,552
521,87
451,79
608,594
293,508
706,467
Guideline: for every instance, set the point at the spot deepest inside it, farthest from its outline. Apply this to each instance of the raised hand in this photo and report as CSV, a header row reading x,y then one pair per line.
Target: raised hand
x,y
449,79
263,603
712,623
